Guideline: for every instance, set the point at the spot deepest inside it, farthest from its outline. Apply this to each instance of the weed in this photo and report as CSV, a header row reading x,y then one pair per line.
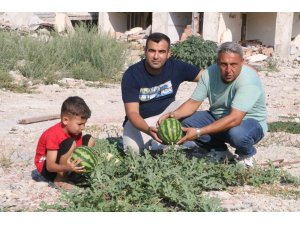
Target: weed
x,y
85,54
288,127
5,160
197,51
161,182
272,65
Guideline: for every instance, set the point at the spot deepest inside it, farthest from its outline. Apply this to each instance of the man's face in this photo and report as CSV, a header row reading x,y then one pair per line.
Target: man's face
x,y
230,65
156,55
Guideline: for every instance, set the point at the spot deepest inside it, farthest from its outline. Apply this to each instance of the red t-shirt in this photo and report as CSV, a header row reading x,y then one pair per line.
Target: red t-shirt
x,y
50,140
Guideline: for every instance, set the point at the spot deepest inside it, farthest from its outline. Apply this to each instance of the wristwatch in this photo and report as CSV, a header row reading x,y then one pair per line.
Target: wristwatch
x,y
198,132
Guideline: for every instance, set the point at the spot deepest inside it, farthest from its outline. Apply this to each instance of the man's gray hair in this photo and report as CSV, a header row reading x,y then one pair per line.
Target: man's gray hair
x,y
230,47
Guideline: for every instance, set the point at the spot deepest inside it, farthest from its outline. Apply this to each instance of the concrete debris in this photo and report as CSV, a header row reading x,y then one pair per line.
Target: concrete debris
x,y
23,21
256,58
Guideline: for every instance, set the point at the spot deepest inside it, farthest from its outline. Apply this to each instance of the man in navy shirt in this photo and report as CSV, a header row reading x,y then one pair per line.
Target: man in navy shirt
x,y
148,90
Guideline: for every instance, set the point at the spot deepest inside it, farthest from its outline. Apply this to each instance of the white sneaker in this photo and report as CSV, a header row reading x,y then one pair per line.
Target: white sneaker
x,y
220,156
246,161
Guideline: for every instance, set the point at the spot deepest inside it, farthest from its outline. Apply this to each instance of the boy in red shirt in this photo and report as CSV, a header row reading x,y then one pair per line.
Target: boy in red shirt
x,y
56,144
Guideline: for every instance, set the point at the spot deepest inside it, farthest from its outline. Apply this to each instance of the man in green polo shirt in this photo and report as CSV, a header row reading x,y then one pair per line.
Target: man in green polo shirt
x,y
237,113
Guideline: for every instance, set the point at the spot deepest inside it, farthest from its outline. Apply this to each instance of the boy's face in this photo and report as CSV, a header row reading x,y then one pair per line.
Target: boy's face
x,y
73,125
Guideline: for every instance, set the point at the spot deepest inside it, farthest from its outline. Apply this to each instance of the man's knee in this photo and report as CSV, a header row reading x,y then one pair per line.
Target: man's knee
x,y
240,138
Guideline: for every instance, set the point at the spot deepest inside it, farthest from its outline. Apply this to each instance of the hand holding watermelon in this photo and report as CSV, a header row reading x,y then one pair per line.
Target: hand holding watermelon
x,y
190,134
87,157
75,165
152,131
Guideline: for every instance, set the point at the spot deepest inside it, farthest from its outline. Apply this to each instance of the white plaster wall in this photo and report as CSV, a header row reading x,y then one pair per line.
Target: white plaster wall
x,y
112,21
296,24
160,22
211,26
177,22
261,25
232,21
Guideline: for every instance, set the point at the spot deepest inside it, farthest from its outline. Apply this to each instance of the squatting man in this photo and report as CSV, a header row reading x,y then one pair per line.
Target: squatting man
x,y
237,113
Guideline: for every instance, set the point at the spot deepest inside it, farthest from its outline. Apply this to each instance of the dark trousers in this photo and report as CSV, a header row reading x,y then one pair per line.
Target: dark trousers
x,y
241,137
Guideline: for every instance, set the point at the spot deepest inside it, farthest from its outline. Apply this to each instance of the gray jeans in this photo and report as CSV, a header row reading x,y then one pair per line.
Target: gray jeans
x,y
136,141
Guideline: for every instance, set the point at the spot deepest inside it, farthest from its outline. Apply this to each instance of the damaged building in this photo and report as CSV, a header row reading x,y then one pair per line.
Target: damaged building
x,y
275,30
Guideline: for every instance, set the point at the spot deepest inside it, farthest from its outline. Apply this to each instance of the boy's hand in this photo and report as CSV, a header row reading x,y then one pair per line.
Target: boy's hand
x,y
73,165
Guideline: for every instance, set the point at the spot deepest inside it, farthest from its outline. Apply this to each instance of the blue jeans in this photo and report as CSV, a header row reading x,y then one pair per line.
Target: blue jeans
x,y
241,137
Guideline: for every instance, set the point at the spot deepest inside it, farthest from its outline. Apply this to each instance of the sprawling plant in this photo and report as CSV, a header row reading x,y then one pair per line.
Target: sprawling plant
x,y
163,182
197,51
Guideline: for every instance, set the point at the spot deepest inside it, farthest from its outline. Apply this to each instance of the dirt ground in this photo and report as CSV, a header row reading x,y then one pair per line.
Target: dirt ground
x,y
21,190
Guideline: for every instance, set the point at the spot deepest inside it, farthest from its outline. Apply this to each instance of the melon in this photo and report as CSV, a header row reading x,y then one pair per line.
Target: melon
x,y
169,131
87,156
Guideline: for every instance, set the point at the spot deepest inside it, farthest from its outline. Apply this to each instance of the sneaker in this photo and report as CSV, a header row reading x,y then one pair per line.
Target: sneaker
x,y
246,161
220,156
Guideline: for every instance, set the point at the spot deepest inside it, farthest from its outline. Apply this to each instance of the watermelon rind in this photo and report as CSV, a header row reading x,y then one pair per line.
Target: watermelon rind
x,y
86,154
169,131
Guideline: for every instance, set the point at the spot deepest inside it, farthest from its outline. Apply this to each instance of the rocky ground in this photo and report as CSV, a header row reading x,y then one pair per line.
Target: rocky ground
x,y
21,190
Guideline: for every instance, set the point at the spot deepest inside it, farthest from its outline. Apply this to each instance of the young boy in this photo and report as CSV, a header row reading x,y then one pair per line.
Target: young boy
x,y
56,144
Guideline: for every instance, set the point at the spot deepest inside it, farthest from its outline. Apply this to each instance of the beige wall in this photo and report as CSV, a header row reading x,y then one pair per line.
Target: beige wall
x,y
177,21
233,21
112,21
261,25
296,24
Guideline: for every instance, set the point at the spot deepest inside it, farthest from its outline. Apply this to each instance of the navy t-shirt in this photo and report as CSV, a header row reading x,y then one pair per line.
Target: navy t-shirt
x,y
155,92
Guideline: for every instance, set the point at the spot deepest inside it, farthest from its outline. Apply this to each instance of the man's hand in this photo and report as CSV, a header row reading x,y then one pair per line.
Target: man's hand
x,y
152,131
164,116
190,134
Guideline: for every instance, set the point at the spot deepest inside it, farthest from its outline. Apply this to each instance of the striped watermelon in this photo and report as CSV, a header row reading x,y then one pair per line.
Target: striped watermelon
x,y
87,156
169,131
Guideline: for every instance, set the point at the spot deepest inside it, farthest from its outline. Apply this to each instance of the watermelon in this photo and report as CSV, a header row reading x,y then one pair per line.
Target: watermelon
x,y
87,156
169,131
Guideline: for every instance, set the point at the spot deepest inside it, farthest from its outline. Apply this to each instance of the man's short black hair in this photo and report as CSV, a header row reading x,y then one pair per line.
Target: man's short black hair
x,y
157,37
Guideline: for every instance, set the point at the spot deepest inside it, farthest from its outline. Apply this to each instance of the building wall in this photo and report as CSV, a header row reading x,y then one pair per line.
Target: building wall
x,y
177,22
232,21
261,25
171,24
112,21
296,24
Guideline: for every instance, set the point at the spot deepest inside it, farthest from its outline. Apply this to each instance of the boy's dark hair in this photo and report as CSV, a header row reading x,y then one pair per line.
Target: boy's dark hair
x,y
157,37
76,106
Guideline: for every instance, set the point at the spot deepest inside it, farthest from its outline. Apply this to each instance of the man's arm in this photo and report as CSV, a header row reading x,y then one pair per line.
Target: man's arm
x,y
199,75
133,114
186,109
233,119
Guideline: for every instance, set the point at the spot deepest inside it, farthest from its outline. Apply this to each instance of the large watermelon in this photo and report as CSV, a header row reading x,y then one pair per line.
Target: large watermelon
x,y
87,156
169,131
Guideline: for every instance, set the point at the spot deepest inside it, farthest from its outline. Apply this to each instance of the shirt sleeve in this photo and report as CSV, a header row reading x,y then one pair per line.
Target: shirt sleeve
x,y
200,92
190,72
